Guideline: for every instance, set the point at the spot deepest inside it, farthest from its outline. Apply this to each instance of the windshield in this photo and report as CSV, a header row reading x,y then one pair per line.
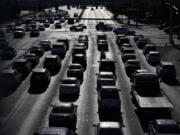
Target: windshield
x,y
62,110
110,132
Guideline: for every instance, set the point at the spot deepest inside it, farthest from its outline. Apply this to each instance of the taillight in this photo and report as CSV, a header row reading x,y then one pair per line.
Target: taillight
x,y
51,116
71,117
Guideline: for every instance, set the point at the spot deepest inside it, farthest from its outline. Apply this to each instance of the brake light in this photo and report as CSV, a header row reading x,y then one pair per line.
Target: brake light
x,y
51,116
71,117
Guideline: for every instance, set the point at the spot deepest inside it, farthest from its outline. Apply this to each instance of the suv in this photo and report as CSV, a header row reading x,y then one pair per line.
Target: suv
x,y
81,59
32,58
59,49
102,45
19,32
153,58
107,65
65,41
121,41
166,70
3,43
23,66
109,102
101,37
148,48
83,39
46,44
40,77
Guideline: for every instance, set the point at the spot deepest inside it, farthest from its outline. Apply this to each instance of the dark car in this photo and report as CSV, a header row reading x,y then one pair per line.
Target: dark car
x,y
59,49
107,65
40,78
109,102
127,57
81,59
153,57
76,70
137,37
83,39
8,53
76,28
23,66
148,48
46,44
10,79
52,63
64,40
70,20
78,50
109,128
55,131
27,28
32,58
166,71
101,37
46,24
3,43
102,45
63,115
124,46
58,25
34,33
121,41
41,27
38,50
131,65
128,51
19,32
141,43
163,127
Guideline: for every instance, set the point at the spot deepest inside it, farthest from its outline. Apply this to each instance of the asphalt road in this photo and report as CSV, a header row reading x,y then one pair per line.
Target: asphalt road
x,y
24,111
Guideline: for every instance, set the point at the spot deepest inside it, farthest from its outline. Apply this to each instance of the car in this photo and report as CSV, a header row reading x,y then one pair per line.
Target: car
x,y
122,40
124,46
59,48
19,32
3,43
23,66
141,43
78,50
51,20
76,28
76,70
10,28
127,56
27,28
62,20
137,37
101,37
63,115
52,63
107,65
34,33
32,58
82,25
41,27
64,40
70,20
46,44
109,103
76,15
83,39
131,65
166,70
8,53
34,25
71,80
138,71
163,127
108,127
58,25
128,51
10,79
153,57
105,79
148,48
38,50
55,131
46,24
102,45
103,27
81,59
40,78
121,30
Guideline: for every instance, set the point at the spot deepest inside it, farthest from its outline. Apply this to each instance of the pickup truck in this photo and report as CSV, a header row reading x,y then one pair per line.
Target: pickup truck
x,y
147,96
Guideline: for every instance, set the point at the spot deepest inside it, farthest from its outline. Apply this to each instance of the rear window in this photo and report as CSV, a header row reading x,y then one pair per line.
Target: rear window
x,y
50,60
110,132
110,96
62,110
106,76
57,46
74,67
19,64
169,67
168,129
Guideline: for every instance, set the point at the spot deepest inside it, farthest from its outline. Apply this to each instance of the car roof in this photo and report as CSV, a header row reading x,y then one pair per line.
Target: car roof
x,y
52,56
39,70
70,78
164,122
108,87
21,61
67,85
146,74
164,63
54,131
75,64
9,71
107,60
59,43
109,125
106,73
153,52
79,55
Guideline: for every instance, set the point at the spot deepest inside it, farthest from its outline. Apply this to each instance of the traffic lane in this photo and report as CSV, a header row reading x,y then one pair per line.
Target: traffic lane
x,y
29,108
131,120
172,92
